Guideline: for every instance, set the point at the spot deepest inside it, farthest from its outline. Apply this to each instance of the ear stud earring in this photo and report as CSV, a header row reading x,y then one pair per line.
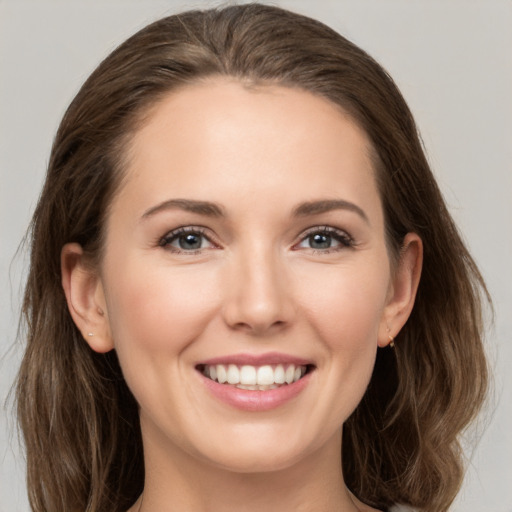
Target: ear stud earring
x,y
391,341
90,334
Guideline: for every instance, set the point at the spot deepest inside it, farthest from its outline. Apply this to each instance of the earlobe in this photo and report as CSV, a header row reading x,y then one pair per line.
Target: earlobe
x,y
402,295
85,298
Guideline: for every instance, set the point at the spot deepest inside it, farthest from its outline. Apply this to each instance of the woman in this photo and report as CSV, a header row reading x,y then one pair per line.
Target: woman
x,y
245,288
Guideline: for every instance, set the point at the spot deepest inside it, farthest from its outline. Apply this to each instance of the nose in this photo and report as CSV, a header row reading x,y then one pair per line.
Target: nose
x,y
258,294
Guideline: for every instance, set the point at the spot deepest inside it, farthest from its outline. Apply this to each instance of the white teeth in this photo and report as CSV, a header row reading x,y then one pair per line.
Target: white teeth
x,y
233,374
265,375
221,373
248,375
279,377
289,374
255,377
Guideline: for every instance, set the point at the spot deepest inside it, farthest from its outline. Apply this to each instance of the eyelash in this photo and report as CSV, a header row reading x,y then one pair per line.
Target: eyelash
x,y
343,238
174,235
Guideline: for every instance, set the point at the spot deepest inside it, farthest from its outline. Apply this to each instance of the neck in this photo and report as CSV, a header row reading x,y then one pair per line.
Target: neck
x,y
177,481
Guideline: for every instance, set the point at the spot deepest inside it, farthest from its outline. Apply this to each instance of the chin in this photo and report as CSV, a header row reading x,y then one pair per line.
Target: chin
x,y
256,462
260,454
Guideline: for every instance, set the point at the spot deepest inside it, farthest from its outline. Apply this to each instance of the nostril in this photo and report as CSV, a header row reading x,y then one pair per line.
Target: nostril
x,y
259,326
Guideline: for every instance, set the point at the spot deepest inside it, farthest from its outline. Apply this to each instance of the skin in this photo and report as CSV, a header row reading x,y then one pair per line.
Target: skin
x,y
257,284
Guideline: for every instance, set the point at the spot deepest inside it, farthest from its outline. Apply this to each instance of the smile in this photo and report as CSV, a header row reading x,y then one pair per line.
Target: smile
x,y
254,378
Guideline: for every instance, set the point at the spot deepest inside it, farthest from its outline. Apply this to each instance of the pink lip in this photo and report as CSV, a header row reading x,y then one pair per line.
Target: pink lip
x,y
257,359
256,401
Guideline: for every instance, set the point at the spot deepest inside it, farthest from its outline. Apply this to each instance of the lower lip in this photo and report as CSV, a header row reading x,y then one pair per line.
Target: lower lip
x,y
256,401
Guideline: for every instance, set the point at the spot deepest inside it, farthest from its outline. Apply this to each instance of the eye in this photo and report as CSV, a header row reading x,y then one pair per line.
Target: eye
x,y
186,239
325,239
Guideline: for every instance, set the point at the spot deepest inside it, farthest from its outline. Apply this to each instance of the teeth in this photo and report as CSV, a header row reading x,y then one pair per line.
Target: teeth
x,y
221,373
289,374
279,375
233,374
257,387
265,375
248,375
245,386
260,378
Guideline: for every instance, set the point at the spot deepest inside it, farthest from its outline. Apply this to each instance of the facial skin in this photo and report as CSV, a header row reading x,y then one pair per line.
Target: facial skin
x,y
260,282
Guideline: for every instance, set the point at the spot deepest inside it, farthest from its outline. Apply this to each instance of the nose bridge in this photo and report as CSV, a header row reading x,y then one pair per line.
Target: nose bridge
x,y
259,297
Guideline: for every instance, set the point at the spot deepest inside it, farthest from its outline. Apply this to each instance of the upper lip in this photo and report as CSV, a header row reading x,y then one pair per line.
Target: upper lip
x,y
257,359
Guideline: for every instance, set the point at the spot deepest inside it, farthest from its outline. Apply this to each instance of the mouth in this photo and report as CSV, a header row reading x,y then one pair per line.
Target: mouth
x,y
255,378
256,382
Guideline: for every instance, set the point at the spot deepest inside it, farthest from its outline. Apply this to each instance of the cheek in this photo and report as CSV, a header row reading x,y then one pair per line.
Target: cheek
x,y
157,309
346,304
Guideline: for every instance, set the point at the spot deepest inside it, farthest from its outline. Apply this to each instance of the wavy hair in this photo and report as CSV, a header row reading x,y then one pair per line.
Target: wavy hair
x,y
77,415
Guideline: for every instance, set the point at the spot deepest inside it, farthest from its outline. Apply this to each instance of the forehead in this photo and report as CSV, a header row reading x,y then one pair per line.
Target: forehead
x,y
221,135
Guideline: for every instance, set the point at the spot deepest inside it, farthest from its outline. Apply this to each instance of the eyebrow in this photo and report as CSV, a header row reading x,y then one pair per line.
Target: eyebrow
x,y
210,209
200,207
327,205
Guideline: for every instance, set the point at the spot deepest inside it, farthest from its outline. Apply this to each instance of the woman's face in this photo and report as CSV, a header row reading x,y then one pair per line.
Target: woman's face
x,y
247,242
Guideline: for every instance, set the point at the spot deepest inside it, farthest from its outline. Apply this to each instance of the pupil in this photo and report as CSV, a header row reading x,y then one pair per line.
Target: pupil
x,y
190,241
319,241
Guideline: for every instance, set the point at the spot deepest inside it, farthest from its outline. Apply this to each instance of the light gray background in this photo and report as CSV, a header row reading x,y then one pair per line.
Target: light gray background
x,y
453,62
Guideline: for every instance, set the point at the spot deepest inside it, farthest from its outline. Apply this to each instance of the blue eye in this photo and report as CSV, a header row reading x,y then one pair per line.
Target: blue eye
x,y
325,238
320,241
190,241
186,240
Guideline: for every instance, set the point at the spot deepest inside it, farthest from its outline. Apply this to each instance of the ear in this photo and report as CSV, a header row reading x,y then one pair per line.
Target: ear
x,y
403,288
86,300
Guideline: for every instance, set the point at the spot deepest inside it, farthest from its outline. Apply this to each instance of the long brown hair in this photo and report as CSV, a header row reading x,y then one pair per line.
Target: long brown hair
x,y
78,417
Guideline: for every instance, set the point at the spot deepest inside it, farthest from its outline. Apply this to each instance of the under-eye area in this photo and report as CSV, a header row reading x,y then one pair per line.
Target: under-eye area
x,y
255,378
